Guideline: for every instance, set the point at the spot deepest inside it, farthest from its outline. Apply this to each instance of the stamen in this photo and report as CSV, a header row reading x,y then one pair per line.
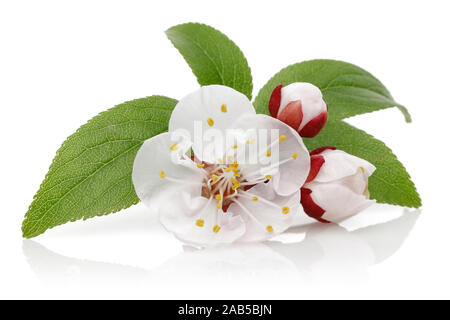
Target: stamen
x,y
257,172
215,177
200,165
236,184
218,197
251,141
210,122
362,169
295,155
235,146
269,229
223,108
282,138
268,153
174,147
246,211
248,195
200,223
216,228
162,174
285,210
268,177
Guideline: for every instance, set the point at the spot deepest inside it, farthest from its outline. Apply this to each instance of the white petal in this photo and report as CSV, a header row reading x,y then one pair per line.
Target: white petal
x,y
211,109
159,171
263,215
289,160
338,201
310,96
339,164
196,221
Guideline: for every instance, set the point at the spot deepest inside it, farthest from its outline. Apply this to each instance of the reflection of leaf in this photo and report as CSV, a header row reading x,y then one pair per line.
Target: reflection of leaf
x,y
386,238
319,255
212,56
348,89
390,183
91,172
59,269
383,239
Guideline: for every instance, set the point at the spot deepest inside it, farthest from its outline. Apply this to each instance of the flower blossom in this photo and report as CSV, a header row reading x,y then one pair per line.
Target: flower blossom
x,y
337,185
301,106
207,189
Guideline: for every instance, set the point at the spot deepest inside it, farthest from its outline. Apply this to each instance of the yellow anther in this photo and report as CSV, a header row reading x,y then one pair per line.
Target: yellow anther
x,y
228,170
285,210
233,180
251,141
215,177
200,223
174,147
223,108
235,170
219,205
210,122
216,228
255,198
282,138
218,197
237,174
200,165
268,177
162,174
234,164
362,169
268,153
269,229
236,186
295,155
235,146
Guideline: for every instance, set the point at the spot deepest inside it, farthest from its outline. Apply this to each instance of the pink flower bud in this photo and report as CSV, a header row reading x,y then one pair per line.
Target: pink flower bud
x,y
300,105
337,185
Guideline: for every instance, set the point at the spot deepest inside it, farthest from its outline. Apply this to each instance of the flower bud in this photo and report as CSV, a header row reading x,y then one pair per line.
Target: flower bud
x,y
337,185
300,105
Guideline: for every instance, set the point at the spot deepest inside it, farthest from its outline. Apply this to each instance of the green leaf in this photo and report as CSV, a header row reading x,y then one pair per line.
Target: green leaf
x,y
212,56
348,89
390,182
91,172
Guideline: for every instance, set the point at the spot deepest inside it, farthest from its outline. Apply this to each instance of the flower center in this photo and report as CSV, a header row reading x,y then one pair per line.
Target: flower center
x,y
222,182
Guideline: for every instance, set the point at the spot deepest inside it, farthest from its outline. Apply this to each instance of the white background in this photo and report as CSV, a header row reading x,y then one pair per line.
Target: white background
x,y
62,62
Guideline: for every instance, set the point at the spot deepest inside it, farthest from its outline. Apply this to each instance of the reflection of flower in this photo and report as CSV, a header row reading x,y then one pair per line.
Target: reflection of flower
x,y
206,199
337,186
301,106
327,253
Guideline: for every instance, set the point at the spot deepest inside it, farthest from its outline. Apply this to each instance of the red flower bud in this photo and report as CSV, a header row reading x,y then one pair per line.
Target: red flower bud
x,y
300,105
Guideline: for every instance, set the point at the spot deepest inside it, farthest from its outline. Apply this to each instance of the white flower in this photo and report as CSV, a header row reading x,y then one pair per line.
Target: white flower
x,y
301,106
337,186
217,195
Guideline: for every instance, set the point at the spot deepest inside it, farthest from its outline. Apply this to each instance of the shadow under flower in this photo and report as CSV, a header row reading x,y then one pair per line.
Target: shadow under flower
x,y
327,252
